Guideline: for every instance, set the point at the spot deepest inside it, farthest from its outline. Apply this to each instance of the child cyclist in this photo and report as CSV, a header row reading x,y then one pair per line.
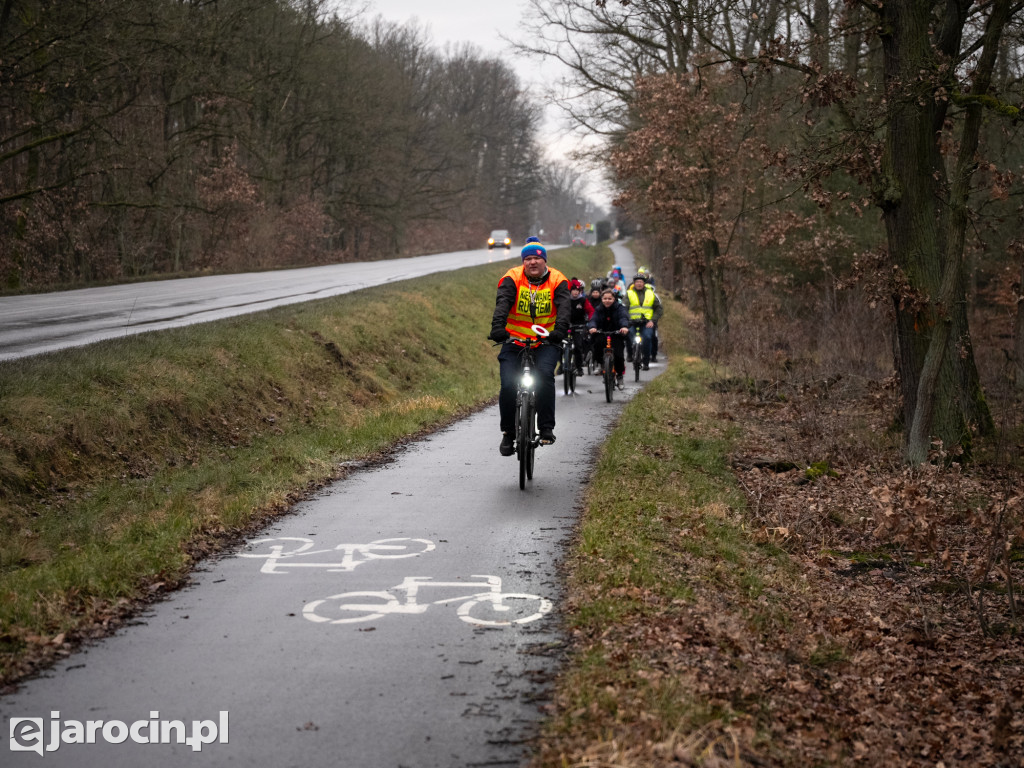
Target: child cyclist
x,y
611,316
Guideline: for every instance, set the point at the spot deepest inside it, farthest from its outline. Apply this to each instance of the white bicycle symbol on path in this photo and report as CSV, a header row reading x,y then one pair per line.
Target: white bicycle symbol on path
x,y
490,608
282,553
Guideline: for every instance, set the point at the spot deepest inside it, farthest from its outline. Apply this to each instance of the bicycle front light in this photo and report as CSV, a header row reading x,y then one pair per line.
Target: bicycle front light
x,y
527,380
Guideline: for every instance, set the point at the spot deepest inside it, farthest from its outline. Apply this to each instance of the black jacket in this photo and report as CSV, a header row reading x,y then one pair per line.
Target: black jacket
x,y
579,310
609,318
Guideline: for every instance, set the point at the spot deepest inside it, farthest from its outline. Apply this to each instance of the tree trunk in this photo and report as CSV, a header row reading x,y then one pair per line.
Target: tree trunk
x,y
925,224
1018,332
676,256
712,281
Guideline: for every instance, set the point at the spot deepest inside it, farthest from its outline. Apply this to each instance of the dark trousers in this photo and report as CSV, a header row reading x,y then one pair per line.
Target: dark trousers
x,y
618,346
546,357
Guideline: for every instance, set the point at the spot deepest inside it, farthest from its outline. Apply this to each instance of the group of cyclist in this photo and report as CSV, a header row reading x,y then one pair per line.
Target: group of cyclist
x,y
535,295
616,307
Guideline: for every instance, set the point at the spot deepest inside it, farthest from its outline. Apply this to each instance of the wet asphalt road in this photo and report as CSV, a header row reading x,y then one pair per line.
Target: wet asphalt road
x,y
431,677
45,322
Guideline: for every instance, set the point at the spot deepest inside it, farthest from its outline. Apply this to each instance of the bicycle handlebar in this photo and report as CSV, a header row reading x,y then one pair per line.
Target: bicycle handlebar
x,y
531,344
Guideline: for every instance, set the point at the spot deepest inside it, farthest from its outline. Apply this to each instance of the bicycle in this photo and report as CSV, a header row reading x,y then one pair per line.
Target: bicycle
x,y
282,553
526,407
608,367
490,608
572,359
588,360
568,365
638,348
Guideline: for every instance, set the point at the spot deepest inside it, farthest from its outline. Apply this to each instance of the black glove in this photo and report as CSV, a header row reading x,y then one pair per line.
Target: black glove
x,y
498,334
556,337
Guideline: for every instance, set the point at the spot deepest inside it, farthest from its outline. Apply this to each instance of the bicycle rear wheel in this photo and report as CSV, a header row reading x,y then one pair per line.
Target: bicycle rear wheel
x,y
589,362
609,375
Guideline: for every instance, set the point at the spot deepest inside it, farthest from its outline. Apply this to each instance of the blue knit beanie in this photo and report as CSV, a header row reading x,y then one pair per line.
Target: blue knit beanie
x,y
534,248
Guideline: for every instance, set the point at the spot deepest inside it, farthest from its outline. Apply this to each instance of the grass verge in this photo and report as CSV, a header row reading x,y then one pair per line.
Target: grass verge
x,y
662,552
123,462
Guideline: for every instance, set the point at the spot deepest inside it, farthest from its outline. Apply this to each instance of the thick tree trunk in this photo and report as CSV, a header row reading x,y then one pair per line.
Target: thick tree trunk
x,y
1018,333
925,223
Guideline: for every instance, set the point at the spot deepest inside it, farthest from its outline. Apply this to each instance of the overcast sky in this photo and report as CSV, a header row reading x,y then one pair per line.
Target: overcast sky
x,y
480,22
453,21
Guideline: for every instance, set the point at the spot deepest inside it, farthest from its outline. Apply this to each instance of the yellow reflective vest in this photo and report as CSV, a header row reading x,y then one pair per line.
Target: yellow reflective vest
x,y
541,296
638,311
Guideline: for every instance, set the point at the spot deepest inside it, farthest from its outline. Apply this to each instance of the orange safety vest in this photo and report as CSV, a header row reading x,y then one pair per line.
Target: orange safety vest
x,y
542,296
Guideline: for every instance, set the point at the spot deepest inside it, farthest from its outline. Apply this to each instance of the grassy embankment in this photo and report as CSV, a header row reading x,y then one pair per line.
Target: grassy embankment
x,y
123,462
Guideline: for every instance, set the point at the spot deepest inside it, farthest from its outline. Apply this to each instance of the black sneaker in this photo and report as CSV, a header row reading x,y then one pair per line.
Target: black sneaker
x,y
547,437
508,445
647,367
619,380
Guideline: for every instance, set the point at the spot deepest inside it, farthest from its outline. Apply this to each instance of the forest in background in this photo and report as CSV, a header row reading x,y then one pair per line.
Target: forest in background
x,y
831,185
148,137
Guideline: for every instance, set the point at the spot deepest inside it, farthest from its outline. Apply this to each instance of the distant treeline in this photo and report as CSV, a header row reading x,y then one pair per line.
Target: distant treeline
x,y
148,137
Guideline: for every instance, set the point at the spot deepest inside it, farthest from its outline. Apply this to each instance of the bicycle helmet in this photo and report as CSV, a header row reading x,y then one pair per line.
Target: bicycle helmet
x,y
639,276
597,284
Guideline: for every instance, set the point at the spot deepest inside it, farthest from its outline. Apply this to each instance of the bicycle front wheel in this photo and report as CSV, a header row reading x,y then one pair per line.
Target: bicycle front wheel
x,y
523,437
609,375
567,369
637,362
531,445
504,610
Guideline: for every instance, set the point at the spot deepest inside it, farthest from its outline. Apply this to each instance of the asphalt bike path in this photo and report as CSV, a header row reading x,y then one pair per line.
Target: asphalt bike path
x,y
268,659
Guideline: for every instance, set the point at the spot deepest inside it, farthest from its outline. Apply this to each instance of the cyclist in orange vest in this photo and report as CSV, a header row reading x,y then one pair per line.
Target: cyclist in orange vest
x,y
531,294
